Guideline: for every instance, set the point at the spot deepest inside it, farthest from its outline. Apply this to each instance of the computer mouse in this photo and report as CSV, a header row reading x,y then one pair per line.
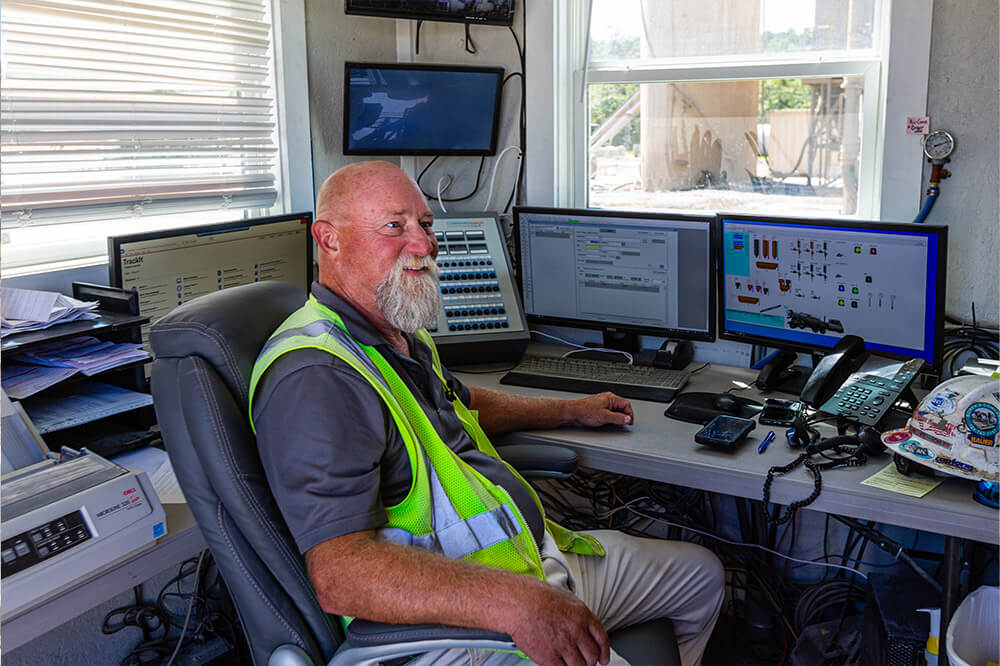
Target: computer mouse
x,y
726,402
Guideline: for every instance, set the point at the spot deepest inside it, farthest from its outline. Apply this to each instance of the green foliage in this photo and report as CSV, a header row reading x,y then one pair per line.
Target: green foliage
x,y
784,42
605,99
783,94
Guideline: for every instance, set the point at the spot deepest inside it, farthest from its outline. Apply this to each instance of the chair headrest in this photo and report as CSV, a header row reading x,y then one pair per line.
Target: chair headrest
x,y
227,328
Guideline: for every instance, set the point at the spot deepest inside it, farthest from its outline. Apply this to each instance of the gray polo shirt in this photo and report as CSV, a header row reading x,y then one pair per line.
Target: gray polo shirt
x,y
331,451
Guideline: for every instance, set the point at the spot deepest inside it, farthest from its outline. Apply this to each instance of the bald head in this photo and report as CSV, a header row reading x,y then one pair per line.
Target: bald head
x,y
375,245
344,194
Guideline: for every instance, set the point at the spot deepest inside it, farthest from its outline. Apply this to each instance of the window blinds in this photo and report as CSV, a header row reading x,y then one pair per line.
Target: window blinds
x,y
117,108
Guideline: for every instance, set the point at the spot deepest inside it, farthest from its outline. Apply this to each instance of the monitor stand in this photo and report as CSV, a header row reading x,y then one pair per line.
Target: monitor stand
x,y
780,374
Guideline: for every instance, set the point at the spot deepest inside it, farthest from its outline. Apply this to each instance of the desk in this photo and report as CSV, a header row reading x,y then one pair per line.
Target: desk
x,y
661,449
183,540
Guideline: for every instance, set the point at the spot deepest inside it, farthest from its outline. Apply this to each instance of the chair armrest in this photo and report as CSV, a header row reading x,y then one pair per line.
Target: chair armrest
x,y
373,642
540,461
365,633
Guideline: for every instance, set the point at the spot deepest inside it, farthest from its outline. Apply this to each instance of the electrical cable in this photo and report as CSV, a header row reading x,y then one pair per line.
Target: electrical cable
x,y
580,348
440,202
475,188
521,52
496,165
187,616
964,337
753,545
202,620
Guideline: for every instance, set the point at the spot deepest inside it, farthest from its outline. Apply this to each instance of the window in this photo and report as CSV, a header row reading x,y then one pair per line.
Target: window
x,y
711,105
131,116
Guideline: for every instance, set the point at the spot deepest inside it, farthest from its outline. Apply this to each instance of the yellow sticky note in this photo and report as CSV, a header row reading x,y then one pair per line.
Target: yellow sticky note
x,y
889,479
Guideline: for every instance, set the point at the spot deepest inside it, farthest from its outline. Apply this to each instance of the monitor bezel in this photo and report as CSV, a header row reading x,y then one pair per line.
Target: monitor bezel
x,y
115,242
401,13
685,334
437,67
750,338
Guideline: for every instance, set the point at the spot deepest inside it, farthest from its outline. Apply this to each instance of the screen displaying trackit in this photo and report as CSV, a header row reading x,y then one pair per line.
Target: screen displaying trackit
x,y
809,283
171,267
650,272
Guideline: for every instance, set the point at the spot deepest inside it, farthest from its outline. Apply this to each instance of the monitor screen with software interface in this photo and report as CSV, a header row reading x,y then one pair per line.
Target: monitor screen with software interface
x,y
170,267
648,273
803,284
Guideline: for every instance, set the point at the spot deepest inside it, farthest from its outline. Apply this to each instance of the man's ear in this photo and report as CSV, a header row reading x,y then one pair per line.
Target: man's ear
x,y
325,235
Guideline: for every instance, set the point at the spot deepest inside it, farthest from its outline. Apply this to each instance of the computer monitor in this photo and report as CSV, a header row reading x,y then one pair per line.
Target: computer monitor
x,y
420,109
170,267
624,273
802,284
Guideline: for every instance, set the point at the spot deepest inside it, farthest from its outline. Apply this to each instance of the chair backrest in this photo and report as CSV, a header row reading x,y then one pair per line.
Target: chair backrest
x,y
205,351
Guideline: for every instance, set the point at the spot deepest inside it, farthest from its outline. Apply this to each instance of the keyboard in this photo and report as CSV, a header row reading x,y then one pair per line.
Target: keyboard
x,y
587,376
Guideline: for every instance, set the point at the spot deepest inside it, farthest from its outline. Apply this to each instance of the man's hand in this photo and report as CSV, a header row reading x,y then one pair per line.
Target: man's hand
x,y
554,627
598,410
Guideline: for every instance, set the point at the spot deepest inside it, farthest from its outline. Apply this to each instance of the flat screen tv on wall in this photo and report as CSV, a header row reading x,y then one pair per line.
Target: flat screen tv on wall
x,y
488,12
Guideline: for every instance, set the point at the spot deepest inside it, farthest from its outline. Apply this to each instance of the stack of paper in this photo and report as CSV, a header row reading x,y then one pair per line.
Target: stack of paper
x,y
85,353
83,402
31,310
20,381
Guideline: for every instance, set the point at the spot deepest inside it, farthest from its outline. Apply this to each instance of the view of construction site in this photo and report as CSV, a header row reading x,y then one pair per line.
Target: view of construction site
x,y
769,145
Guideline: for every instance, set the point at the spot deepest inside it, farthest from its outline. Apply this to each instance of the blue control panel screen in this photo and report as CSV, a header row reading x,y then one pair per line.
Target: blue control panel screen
x,y
805,284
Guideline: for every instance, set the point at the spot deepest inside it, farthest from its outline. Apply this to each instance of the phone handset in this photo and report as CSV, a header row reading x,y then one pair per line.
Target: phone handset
x,y
833,370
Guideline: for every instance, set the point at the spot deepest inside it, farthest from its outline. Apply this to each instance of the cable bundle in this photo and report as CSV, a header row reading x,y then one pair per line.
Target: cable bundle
x,y
200,614
961,338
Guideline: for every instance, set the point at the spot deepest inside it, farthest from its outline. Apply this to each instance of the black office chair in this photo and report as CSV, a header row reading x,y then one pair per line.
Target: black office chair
x,y
205,351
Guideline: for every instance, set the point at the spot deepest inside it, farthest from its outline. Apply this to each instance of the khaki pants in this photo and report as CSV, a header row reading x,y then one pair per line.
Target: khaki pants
x,y
637,580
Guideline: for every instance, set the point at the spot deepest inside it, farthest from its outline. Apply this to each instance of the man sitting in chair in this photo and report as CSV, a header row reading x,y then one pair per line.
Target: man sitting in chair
x,y
380,462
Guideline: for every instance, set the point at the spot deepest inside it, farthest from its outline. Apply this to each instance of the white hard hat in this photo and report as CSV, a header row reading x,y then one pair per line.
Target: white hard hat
x,y
954,429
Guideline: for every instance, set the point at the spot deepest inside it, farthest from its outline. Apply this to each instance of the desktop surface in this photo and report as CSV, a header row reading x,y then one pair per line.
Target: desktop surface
x,y
662,449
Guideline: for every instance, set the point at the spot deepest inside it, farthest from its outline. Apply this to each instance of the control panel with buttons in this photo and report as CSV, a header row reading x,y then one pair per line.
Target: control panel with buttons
x,y
481,320
42,542
869,393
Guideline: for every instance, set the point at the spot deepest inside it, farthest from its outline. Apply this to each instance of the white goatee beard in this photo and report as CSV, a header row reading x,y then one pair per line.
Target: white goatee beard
x,y
410,302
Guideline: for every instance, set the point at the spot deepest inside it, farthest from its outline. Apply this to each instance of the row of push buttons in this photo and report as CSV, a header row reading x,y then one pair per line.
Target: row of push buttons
x,y
476,312
451,263
460,236
470,289
48,539
477,326
479,275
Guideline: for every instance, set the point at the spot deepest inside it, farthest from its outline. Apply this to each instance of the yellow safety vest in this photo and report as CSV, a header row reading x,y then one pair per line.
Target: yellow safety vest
x,y
450,508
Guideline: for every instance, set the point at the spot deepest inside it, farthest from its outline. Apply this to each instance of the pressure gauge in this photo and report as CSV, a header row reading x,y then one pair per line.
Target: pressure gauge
x,y
938,145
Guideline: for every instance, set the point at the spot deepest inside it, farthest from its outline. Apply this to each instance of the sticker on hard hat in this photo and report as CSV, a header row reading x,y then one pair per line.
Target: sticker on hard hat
x,y
951,462
983,419
912,447
896,436
941,404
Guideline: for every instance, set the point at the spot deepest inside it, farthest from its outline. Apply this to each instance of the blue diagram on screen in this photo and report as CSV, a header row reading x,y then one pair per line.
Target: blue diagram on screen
x,y
812,284
404,109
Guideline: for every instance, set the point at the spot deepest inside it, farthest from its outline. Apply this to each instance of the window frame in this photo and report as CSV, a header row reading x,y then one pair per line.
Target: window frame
x,y
294,173
895,87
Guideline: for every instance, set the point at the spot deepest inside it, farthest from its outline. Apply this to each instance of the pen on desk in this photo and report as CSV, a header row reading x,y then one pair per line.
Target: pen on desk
x,y
768,438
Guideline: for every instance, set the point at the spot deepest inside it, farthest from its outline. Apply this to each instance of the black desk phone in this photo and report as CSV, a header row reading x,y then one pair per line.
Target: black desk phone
x,y
849,383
